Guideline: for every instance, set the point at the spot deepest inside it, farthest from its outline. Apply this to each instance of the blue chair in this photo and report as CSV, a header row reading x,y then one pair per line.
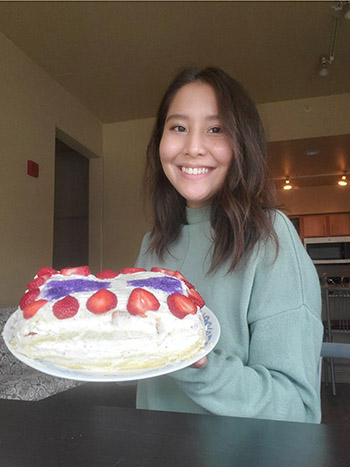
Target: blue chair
x,y
336,301
333,350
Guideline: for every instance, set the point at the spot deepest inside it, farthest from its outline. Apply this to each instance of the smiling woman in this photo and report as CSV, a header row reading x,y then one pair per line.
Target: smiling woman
x,y
215,221
194,151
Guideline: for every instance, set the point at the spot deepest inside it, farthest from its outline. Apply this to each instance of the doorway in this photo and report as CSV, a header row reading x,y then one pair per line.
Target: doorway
x,y
71,208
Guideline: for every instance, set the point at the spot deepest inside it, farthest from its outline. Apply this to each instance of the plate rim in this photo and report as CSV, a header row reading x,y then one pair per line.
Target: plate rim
x,y
120,375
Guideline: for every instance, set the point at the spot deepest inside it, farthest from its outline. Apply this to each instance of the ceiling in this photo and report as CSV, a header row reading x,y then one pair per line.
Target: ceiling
x,y
310,161
117,57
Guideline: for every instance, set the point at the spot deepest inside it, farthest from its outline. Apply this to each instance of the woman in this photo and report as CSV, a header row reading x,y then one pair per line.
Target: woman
x,y
215,221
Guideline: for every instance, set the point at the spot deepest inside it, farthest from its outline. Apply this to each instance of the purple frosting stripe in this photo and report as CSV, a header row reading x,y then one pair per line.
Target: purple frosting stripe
x,y
166,284
54,290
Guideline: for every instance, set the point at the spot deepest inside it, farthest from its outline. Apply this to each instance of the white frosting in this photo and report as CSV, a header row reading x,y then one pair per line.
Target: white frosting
x,y
112,340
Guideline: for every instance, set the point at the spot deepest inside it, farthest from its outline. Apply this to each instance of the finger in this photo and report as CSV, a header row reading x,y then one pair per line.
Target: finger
x,y
201,363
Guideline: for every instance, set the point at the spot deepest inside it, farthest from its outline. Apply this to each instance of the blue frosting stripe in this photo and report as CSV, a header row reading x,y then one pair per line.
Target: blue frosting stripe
x,y
54,290
166,284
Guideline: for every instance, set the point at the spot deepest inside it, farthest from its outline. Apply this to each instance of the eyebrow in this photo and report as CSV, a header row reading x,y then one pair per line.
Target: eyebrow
x,y
184,117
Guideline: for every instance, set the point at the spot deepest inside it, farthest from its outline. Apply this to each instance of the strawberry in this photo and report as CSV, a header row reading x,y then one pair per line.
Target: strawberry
x,y
140,301
28,298
131,270
180,305
107,274
32,308
35,283
101,301
167,272
66,307
179,276
196,298
79,271
46,272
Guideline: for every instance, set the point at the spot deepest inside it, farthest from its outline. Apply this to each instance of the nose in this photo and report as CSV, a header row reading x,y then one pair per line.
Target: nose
x,y
195,144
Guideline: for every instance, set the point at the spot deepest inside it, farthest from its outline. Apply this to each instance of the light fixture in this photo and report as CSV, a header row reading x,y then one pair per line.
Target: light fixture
x,y
337,11
347,11
324,70
312,152
343,181
340,6
287,185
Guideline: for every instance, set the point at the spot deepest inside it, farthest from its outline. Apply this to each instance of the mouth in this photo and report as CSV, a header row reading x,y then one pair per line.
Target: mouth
x,y
195,170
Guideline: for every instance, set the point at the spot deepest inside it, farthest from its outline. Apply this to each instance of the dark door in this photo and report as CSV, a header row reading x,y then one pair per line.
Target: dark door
x,y
71,211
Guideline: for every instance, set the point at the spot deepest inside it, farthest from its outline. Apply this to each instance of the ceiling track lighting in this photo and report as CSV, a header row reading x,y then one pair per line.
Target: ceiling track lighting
x,y
287,185
343,181
337,10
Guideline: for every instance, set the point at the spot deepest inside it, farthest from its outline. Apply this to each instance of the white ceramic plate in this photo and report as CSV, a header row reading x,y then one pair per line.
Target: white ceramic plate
x,y
212,336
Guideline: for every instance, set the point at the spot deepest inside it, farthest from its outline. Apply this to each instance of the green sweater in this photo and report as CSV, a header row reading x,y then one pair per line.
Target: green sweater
x,y
265,363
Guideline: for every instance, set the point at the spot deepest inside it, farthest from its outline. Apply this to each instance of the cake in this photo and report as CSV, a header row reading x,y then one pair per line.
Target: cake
x,y
131,320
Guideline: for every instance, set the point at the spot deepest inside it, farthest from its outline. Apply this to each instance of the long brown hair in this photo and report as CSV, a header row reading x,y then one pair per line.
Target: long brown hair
x,y
241,213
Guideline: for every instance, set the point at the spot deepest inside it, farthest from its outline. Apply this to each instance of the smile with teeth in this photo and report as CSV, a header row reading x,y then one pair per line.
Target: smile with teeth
x,y
195,170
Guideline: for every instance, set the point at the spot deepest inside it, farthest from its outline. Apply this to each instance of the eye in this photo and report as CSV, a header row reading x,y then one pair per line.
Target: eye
x,y
178,128
215,129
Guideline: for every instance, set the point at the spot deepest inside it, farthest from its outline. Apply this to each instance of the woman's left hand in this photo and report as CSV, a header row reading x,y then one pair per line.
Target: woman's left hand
x,y
202,363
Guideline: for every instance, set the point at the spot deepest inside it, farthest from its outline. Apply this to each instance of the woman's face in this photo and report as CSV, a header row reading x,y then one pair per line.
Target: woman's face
x,y
194,151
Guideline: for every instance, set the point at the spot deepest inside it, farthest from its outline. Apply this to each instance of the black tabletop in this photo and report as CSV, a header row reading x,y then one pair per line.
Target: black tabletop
x,y
60,434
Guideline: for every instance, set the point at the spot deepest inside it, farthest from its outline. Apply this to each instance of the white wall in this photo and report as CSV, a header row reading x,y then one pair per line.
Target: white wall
x,y
32,106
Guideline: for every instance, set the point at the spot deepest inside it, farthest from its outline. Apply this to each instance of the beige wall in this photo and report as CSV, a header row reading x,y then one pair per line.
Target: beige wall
x,y
124,220
306,118
314,200
124,147
32,107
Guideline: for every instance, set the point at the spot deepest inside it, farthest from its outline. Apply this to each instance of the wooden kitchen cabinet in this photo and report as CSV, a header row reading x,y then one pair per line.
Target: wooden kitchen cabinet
x,y
326,225
339,224
315,226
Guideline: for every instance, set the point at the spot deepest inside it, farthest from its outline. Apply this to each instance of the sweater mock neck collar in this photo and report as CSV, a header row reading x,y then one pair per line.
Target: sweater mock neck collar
x,y
196,216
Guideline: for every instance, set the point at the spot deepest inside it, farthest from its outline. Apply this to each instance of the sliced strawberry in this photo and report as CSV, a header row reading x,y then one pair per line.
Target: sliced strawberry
x,y
36,283
28,298
46,272
32,308
101,302
66,307
79,271
140,301
178,275
196,298
181,306
167,272
131,270
107,274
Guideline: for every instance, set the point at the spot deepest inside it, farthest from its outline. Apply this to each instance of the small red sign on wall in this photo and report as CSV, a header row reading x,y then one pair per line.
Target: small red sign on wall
x,y
33,169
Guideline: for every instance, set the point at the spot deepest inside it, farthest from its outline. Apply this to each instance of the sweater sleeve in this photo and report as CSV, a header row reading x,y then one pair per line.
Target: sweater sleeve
x,y
279,380
275,383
